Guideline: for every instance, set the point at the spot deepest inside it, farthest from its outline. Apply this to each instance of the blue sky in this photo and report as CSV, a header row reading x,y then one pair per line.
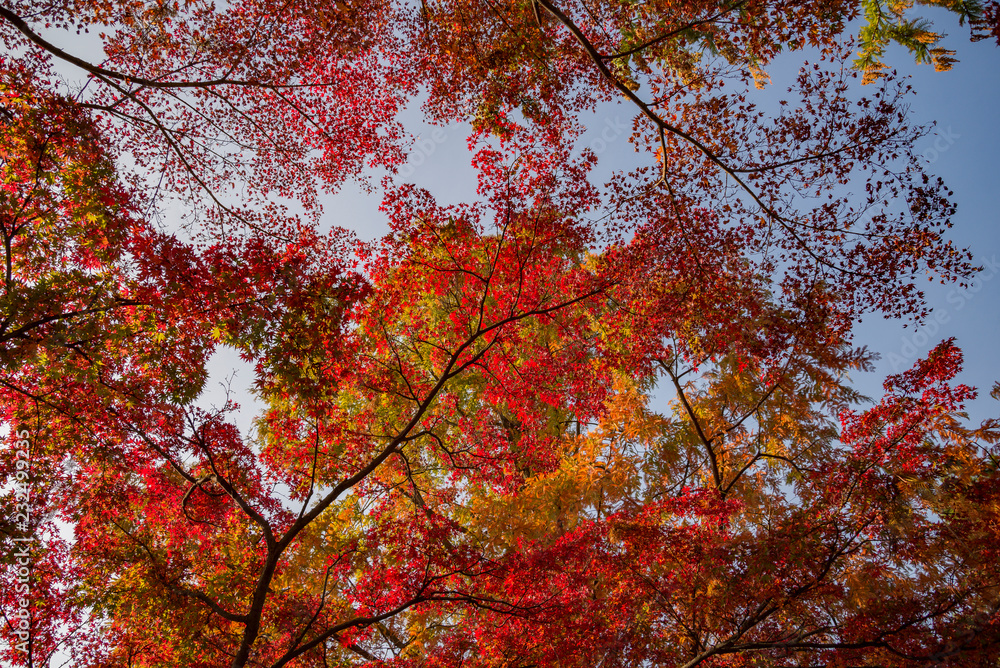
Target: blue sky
x,y
964,150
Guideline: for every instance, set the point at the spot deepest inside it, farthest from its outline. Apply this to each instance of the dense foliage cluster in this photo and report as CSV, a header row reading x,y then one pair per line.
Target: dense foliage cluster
x,y
460,461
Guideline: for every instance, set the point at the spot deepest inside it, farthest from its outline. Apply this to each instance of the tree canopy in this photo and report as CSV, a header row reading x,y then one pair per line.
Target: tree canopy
x,y
563,423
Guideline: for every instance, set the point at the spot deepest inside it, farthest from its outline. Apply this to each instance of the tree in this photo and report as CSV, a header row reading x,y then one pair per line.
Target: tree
x,y
460,461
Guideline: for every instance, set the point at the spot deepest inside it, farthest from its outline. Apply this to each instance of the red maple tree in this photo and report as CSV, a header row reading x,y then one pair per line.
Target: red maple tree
x,y
460,460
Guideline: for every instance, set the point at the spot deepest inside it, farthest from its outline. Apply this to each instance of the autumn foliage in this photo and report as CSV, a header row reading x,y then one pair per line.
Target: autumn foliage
x,y
560,424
